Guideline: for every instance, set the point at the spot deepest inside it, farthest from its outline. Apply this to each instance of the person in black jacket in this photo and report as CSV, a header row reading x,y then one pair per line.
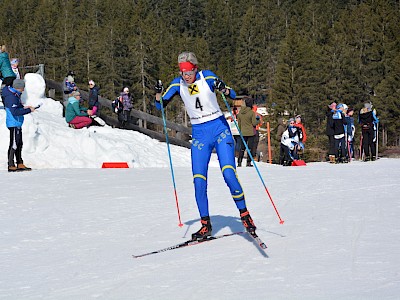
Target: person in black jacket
x,y
369,122
330,132
338,125
94,98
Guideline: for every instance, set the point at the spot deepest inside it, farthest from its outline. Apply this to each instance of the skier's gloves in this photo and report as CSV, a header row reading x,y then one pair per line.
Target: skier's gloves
x,y
159,87
220,85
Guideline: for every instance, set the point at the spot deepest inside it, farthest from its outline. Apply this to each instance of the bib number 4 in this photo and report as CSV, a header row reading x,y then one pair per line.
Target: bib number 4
x,y
198,104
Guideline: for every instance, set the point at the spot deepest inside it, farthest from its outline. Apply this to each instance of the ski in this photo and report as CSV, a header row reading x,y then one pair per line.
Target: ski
x,y
188,243
259,242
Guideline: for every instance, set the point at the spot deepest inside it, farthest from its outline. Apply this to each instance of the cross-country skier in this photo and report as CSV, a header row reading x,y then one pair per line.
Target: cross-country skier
x,y
209,130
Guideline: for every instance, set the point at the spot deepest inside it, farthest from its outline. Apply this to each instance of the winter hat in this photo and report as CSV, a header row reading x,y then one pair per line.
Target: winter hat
x,y
71,73
368,105
14,61
126,90
298,117
291,120
91,82
75,94
249,102
340,105
18,84
350,110
332,105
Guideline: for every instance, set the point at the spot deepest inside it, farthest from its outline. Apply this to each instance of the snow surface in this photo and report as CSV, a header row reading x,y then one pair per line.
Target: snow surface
x,y
68,229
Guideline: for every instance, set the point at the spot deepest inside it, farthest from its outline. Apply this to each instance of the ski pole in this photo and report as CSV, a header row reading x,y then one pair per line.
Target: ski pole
x,y
251,156
377,140
170,162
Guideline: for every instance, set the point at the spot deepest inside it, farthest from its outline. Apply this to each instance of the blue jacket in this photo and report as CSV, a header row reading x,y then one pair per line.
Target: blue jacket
x,y
175,86
15,111
5,66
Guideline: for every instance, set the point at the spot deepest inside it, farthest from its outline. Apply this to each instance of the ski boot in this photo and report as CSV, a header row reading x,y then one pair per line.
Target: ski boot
x,y
247,221
205,231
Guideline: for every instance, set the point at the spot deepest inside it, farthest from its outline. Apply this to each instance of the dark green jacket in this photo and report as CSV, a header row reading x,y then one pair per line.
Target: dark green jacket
x,y
247,120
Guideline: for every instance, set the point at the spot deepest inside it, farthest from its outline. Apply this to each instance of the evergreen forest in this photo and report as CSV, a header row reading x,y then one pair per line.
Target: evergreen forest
x,y
292,56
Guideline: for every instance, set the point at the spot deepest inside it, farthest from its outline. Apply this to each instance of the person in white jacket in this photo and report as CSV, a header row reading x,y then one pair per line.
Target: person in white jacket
x,y
289,143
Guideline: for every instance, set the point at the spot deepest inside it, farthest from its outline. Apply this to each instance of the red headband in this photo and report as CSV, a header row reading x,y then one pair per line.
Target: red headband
x,y
186,66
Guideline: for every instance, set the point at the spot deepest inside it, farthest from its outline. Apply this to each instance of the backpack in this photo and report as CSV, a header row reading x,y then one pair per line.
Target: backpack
x,y
116,106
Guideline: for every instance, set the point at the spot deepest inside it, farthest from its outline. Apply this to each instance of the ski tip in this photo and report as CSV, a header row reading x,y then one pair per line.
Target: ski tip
x,y
281,222
180,225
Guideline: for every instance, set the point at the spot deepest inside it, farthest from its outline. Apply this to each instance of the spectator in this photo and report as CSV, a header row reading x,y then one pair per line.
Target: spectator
x,y
7,73
302,131
15,112
302,135
330,132
14,66
247,121
282,126
235,131
279,131
126,99
350,131
69,86
257,133
368,122
118,107
75,115
289,142
94,98
339,123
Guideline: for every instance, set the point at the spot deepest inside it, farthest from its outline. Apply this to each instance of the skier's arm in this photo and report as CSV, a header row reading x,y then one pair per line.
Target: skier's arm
x,y
170,92
211,78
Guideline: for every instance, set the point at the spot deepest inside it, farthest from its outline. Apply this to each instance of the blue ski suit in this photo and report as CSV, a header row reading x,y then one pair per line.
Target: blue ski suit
x,y
209,130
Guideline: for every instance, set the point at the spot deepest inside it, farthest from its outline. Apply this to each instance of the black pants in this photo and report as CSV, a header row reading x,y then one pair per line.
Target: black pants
x,y
124,117
332,149
340,146
15,148
249,141
288,155
369,142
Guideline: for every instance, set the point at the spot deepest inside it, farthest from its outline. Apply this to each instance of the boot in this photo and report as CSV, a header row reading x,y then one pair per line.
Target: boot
x,y
249,164
204,231
239,162
247,221
22,167
332,159
12,169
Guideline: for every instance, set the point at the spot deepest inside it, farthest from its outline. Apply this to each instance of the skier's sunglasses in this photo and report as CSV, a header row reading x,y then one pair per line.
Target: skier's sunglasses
x,y
188,73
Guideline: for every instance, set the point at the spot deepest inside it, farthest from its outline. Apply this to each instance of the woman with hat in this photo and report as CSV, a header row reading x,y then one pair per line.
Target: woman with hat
x,y
76,115
7,73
